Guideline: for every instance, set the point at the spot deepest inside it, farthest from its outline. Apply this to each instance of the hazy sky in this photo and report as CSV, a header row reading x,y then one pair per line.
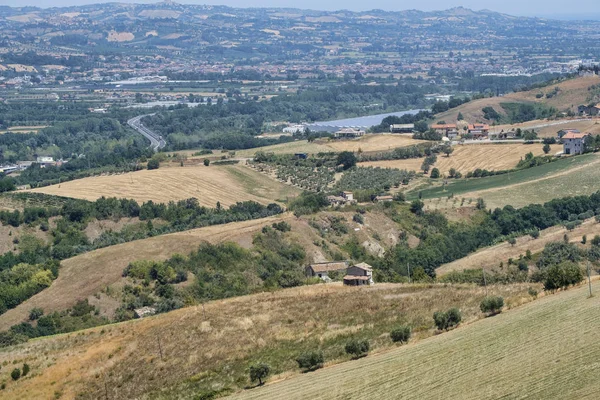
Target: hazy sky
x,y
556,8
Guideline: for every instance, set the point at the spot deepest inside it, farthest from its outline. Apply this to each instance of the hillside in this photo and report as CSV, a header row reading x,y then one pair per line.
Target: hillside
x,y
571,93
224,184
207,349
543,350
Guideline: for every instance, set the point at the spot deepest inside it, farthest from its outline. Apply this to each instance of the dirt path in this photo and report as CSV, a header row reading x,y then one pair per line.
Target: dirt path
x,y
86,274
491,257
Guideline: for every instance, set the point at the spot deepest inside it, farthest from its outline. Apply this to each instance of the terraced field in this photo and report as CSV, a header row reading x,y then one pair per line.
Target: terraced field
x,y
224,184
467,158
543,350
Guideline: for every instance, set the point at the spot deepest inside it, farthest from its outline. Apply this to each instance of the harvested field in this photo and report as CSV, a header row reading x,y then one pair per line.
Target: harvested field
x,y
225,184
368,143
212,345
543,350
120,36
87,274
467,158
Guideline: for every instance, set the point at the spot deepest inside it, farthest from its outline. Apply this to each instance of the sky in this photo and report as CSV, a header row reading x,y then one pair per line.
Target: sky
x,y
541,8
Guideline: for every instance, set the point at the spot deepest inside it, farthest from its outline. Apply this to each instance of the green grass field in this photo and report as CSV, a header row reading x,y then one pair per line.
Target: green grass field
x,y
498,181
543,350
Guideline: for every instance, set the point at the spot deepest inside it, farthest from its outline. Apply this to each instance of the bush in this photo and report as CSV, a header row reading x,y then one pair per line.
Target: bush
x,y
492,305
401,334
446,320
206,162
25,369
435,173
562,275
282,226
357,348
35,313
153,163
311,360
259,372
15,374
358,219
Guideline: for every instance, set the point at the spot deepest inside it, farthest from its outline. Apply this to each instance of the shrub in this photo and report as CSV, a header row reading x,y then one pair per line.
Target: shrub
x,y
358,219
357,348
562,275
282,226
153,163
401,334
15,374
492,305
448,319
25,369
532,292
206,162
535,233
311,360
259,372
435,173
596,240
35,313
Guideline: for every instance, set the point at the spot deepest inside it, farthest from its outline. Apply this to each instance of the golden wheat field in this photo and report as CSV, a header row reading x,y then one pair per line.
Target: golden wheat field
x,y
467,158
211,346
546,349
367,143
224,184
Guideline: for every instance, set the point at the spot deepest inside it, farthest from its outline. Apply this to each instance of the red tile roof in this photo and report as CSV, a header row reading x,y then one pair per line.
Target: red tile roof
x,y
574,135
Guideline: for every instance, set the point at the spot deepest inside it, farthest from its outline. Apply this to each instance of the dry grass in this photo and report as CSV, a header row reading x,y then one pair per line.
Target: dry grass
x,y
543,350
225,184
490,257
368,143
87,274
467,158
211,346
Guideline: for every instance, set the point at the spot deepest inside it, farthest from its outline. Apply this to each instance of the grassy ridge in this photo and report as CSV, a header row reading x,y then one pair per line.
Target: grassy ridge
x,y
498,181
544,350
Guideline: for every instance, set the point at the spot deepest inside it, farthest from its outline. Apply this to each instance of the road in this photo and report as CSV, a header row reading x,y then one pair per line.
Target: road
x,y
156,141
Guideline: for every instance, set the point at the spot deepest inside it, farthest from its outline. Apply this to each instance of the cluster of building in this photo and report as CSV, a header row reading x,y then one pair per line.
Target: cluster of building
x,y
451,131
352,275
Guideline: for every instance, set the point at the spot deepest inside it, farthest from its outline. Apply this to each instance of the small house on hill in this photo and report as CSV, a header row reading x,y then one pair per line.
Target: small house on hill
x,y
323,270
574,143
359,275
448,130
349,133
479,130
383,199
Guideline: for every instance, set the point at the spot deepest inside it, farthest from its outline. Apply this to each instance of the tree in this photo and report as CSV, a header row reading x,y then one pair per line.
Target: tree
x,y
153,163
15,374
452,172
259,372
435,173
357,348
546,148
512,241
206,162
460,117
311,360
447,149
492,305
401,334
562,275
446,320
480,204
535,233
416,207
425,166
35,313
25,369
346,159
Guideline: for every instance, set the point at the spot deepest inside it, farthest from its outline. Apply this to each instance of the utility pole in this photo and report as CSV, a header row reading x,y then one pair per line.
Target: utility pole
x,y
589,273
408,272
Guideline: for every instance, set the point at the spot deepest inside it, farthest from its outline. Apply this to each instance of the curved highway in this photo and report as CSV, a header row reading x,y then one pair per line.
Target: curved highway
x,y
156,141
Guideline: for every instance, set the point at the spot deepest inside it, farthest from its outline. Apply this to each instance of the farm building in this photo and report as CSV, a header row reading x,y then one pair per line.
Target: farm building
x,y
382,199
359,275
402,128
563,132
574,143
323,270
349,133
448,130
341,200
479,130
295,129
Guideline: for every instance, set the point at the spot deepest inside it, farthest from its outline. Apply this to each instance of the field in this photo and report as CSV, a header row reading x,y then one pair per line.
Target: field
x,y
470,187
543,350
574,182
549,128
225,184
23,129
467,158
368,143
210,346
87,274
490,257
